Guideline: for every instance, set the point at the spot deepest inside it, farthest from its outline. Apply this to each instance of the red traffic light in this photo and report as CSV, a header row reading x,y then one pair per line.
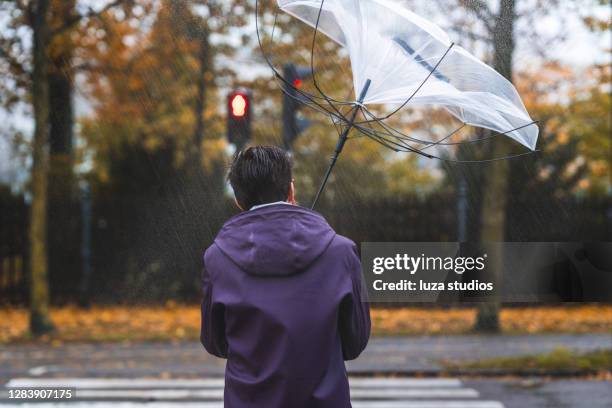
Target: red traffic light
x,y
239,116
297,82
238,105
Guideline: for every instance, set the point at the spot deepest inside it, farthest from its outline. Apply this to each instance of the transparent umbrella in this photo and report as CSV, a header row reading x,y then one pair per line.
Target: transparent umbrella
x,y
400,59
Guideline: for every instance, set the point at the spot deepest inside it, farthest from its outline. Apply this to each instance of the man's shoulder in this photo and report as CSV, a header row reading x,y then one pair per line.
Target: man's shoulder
x,y
211,255
342,244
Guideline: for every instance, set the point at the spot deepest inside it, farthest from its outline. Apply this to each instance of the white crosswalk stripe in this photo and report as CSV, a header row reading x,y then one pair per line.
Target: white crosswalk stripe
x,y
208,393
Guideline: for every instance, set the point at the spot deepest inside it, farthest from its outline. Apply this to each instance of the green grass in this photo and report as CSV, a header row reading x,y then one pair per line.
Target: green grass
x,y
561,359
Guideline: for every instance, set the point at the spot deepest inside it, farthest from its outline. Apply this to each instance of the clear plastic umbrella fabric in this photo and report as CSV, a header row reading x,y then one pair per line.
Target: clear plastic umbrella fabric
x,y
410,59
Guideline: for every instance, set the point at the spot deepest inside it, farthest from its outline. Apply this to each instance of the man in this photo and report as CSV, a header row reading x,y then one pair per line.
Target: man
x,y
282,295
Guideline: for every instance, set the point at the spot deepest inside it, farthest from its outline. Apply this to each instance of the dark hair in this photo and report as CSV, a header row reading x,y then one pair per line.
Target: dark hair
x,y
260,175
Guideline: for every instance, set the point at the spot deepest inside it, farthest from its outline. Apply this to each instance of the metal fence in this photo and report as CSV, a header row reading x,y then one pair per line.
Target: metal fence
x,y
146,249
13,248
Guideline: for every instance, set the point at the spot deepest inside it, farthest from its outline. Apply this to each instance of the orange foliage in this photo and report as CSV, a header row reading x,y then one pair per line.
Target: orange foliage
x,y
178,322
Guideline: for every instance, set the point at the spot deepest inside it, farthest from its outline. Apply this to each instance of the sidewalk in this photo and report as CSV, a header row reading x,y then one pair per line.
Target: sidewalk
x,y
407,355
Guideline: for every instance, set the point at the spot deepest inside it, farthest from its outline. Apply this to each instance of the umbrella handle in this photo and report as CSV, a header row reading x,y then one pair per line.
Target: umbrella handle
x,y
341,141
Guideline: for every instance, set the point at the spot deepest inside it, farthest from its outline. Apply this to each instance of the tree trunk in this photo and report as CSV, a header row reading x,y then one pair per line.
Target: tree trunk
x,y
496,180
63,220
200,105
40,322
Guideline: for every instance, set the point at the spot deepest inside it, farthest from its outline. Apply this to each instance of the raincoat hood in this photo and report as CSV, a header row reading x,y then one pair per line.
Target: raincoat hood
x,y
276,240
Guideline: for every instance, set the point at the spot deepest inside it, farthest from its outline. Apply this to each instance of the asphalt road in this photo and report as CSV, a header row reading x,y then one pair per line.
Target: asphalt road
x,y
365,392
185,359
384,356
545,393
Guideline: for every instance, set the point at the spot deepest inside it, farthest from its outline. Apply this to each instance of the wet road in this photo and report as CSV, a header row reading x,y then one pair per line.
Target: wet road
x,y
365,392
383,355
180,363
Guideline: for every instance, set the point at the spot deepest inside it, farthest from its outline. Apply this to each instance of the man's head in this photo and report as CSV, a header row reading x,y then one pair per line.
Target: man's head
x,y
260,175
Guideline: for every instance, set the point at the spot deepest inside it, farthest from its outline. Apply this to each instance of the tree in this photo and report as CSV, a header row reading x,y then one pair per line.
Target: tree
x,y
29,78
592,109
40,322
63,231
156,136
589,124
573,145
495,25
165,76
495,30
496,181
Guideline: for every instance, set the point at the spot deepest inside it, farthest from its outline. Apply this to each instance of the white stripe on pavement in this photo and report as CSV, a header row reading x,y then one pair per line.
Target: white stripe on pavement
x,y
208,393
413,393
403,382
93,383
217,394
357,404
427,404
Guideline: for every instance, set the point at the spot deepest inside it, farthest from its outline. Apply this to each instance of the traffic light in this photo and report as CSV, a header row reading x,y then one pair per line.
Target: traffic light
x,y
239,117
293,125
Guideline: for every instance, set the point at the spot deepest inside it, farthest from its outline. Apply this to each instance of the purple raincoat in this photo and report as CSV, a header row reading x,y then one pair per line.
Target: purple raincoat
x,y
282,302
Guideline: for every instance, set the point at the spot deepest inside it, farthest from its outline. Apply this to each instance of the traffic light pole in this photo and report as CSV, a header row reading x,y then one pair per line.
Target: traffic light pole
x,y
341,142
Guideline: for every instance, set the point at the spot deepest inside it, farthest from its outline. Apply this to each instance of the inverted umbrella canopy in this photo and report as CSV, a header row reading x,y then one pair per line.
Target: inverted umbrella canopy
x,y
403,57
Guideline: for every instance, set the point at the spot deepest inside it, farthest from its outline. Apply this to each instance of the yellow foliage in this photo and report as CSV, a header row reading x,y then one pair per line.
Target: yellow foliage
x,y
173,322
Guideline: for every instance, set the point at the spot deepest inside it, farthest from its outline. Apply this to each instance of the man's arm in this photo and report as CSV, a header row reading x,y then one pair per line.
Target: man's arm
x,y
354,322
212,333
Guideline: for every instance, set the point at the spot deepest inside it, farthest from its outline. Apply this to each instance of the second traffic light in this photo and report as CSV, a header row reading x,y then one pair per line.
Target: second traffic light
x,y
293,125
239,117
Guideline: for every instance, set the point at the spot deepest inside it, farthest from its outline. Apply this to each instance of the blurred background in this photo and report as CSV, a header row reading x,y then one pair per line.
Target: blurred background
x,y
117,127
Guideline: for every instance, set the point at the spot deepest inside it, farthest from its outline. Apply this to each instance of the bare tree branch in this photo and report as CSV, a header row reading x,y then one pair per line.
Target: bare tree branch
x,y
15,65
481,10
471,35
21,5
68,24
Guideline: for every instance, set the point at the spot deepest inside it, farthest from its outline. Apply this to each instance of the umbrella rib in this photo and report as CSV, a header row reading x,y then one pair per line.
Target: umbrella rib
x,y
495,159
495,134
312,68
341,141
397,143
421,85
379,139
391,130
376,136
319,107
277,74
440,142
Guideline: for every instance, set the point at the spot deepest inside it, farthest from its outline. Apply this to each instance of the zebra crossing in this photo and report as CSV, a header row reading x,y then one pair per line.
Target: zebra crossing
x,y
371,392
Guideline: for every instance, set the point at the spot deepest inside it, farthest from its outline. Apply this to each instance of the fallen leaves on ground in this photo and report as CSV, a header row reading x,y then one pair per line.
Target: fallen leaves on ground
x,y
174,322
517,320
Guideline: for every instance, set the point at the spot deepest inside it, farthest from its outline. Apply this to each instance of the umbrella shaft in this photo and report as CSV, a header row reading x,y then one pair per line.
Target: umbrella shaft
x,y
341,141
